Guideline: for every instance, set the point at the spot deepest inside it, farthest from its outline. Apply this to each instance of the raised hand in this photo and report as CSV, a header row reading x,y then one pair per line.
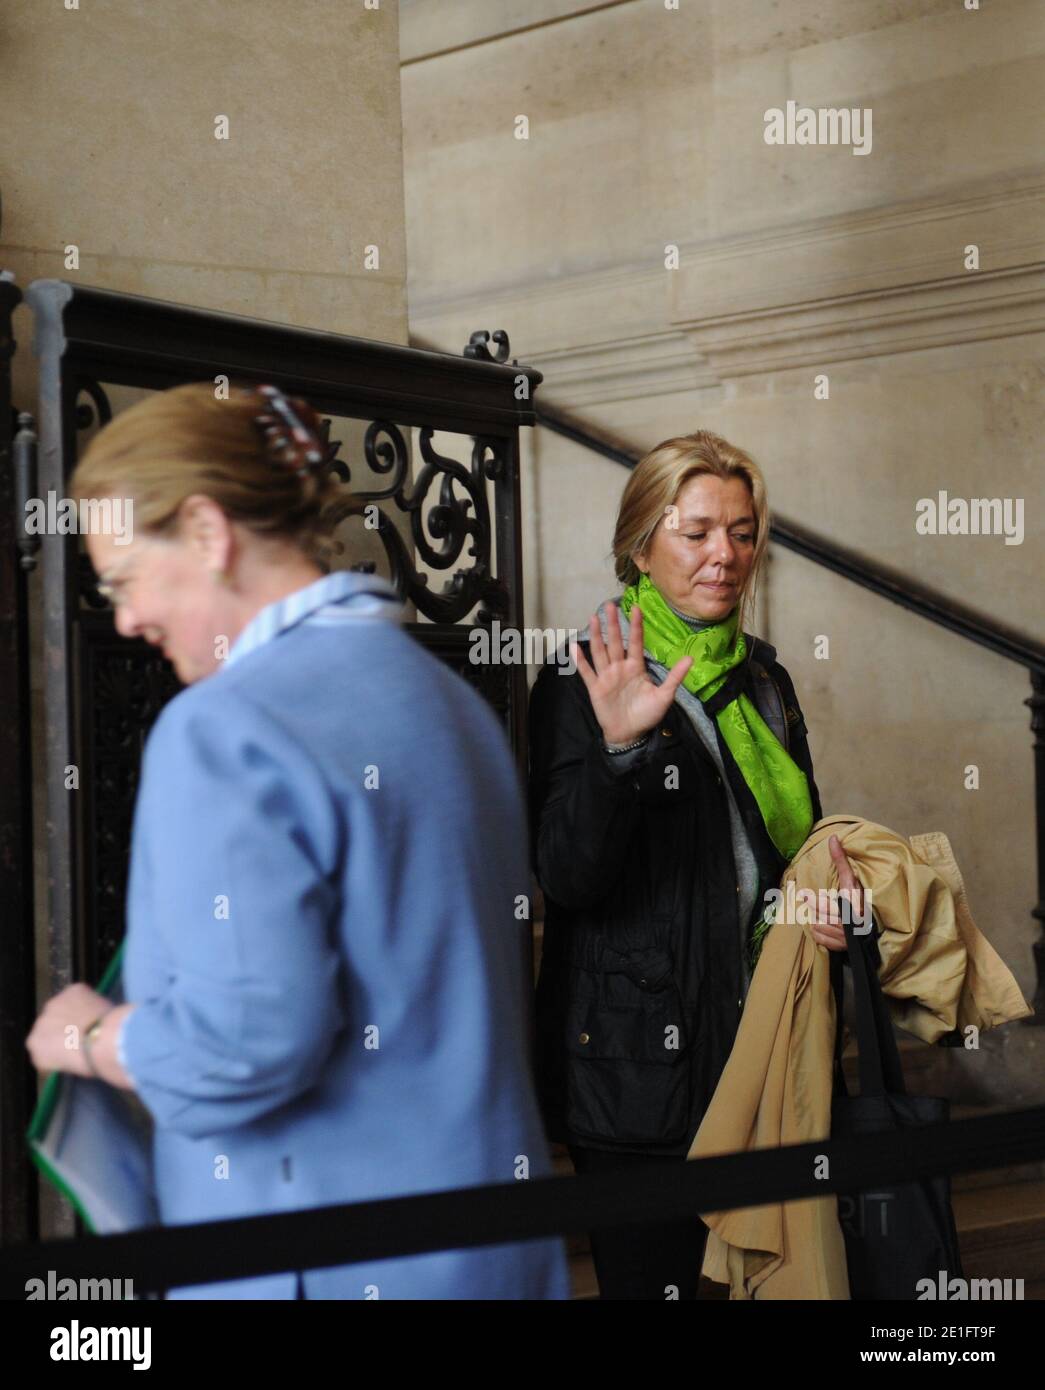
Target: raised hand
x,y
626,702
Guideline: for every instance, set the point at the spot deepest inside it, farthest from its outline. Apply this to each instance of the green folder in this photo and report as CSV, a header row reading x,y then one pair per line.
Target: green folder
x,y
93,1142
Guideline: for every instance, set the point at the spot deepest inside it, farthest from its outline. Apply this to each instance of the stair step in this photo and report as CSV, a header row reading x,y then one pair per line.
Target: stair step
x,y
1005,1176
1001,1231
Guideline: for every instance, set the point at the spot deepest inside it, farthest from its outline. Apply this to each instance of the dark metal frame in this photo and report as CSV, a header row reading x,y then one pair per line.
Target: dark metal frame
x,y
17,947
916,598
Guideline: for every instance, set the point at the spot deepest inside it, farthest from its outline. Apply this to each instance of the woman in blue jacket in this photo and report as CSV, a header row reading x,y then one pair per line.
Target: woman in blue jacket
x,y
323,963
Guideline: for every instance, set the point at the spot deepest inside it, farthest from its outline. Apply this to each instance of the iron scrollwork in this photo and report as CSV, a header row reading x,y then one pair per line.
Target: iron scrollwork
x,y
96,411
126,686
101,413
440,534
476,345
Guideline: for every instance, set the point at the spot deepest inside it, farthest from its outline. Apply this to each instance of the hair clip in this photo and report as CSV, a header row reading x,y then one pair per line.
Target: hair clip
x,y
291,431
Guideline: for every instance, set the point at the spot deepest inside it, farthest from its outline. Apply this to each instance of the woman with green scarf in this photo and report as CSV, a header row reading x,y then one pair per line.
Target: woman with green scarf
x,y
671,785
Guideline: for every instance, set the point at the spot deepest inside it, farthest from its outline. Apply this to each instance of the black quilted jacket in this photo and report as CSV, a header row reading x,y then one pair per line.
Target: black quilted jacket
x,y
638,998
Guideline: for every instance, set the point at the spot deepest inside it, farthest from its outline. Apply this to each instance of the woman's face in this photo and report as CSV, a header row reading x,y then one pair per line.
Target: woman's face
x,y
166,591
701,564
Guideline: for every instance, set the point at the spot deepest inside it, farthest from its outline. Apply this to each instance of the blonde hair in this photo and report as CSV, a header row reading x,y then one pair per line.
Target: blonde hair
x,y
186,440
655,484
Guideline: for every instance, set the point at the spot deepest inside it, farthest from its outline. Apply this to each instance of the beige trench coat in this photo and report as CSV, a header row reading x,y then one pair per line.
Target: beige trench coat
x,y
938,972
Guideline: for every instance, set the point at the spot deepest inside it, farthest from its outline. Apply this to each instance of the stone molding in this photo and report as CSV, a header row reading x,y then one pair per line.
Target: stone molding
x,y
866,284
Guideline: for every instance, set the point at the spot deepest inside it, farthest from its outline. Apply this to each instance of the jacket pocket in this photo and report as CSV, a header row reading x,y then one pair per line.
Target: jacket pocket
x,y
628,1073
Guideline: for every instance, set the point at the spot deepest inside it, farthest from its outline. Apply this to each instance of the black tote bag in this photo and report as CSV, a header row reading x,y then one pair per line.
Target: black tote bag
x,y
897,1234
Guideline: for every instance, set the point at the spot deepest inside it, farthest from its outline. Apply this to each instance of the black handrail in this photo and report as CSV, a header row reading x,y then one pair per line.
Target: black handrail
x,y
916,598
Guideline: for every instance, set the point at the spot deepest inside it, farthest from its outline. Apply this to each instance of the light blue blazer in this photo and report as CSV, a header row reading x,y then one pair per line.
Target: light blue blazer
x,y
326,919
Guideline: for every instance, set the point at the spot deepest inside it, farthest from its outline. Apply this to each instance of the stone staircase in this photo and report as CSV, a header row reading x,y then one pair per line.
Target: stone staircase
x,y
999,1212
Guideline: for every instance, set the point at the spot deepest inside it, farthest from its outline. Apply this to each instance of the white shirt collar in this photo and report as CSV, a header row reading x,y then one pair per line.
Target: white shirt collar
x,y
343,594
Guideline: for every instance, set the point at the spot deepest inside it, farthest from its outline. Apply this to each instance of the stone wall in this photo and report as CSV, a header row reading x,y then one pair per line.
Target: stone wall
x,y
646,131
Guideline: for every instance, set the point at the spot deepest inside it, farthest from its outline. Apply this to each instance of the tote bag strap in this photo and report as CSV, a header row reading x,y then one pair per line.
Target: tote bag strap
x,y
880,1068
838,988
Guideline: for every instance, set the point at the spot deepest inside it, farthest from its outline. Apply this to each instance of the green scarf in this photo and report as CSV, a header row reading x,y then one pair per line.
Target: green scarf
x,y
777,783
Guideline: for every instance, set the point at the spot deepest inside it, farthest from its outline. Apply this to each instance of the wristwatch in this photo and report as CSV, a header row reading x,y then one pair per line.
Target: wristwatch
x,y
90,1037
